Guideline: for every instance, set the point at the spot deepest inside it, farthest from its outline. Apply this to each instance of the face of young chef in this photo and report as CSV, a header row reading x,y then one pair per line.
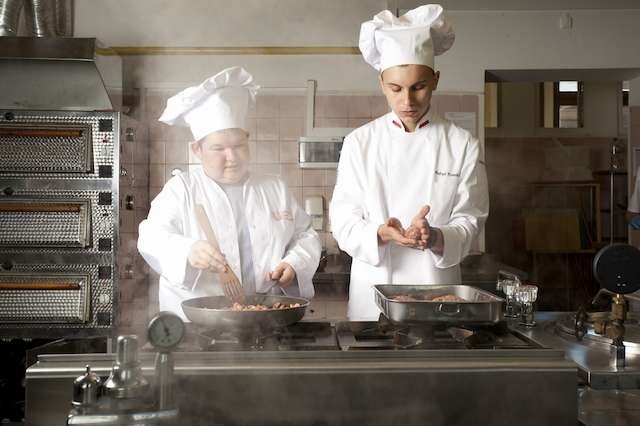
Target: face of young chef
x,y
408,89
224,155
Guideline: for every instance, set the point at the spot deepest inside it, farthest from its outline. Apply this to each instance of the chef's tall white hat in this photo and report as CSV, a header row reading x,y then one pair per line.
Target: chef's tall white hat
x,y
220,102
414,38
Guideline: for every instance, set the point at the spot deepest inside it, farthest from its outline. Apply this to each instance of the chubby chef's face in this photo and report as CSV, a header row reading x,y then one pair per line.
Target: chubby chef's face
x,y
408,89
224,155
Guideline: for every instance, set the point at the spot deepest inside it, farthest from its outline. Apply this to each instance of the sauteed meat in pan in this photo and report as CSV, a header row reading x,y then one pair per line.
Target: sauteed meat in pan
x,y
428,298
259,307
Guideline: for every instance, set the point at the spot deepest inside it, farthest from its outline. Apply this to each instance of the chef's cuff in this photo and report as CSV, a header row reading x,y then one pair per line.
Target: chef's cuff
x,y
296,262
372,251
453,243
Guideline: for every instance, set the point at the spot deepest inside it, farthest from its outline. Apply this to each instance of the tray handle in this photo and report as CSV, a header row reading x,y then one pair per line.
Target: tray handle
x,y
448,311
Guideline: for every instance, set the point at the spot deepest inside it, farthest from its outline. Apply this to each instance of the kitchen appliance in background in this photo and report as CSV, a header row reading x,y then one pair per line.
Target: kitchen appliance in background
x,y
319,152
58,191
314,206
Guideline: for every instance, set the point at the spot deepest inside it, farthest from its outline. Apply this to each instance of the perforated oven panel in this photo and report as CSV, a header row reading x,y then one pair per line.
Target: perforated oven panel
x,y
45,222
46,298
46,147
58,144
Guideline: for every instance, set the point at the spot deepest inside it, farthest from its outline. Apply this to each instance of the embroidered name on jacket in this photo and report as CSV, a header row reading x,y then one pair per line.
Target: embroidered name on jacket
x,y
282,215
439,173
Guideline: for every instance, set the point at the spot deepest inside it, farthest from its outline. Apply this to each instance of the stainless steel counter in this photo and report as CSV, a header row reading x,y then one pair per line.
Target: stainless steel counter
x,y
606,396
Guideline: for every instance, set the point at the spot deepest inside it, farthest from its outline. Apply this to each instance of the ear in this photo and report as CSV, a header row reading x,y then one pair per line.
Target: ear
x,y
436,78
196,149
381,81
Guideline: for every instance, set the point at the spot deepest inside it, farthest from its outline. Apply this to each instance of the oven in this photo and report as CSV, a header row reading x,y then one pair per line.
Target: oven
x,y
58,192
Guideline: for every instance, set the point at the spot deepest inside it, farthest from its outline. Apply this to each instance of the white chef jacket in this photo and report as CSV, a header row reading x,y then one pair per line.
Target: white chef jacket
x,y
385,172
279,232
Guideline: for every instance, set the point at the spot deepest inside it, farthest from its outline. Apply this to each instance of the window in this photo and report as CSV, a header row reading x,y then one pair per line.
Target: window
x,y
561,104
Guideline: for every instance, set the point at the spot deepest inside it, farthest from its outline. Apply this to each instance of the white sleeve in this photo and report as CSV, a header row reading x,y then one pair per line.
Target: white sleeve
x,y
161,240
470,209
634,201
351,228
303,250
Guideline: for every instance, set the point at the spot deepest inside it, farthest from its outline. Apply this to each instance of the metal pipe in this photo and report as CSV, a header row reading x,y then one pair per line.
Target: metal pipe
x,y
9,15
49,18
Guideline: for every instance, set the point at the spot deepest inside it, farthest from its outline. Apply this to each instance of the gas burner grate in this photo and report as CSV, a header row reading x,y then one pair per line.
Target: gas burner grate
x,y
385,335
296,337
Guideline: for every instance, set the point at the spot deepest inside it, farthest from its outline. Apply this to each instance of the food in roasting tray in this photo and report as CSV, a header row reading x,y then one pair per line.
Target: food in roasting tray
x,y
427,298
260,307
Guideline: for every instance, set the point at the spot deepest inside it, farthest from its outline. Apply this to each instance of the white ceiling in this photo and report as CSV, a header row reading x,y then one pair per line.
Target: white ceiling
x,y
518,4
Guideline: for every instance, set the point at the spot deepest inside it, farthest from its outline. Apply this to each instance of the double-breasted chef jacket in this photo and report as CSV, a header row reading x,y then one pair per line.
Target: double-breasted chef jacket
x,y
385,172
280,231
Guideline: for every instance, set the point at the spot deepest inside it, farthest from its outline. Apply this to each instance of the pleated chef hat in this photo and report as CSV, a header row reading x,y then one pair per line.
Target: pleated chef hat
x,y
220,102
414,38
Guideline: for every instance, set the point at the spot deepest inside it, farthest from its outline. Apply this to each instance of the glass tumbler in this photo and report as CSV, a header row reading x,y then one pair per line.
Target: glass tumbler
x,y
526,296
509,288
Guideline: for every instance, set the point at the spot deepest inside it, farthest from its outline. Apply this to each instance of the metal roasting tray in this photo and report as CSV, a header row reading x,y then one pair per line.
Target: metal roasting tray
x,y
480,308
213,312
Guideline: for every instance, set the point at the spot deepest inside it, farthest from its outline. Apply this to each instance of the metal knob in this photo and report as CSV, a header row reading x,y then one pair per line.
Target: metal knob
x,y
130,134
126,379
129,202
86,389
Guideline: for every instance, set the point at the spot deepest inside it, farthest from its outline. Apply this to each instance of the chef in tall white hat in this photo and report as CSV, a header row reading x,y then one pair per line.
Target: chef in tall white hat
x,y
264,236
411,192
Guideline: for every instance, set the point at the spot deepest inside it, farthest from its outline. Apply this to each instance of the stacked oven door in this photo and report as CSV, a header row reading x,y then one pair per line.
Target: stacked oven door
x,y
58,223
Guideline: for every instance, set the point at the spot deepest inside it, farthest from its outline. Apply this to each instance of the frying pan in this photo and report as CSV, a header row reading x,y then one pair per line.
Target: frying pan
x,y
213,312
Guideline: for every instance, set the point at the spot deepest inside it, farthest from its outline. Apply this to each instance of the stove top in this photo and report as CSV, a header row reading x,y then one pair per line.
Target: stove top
x,y
353,335
382,334
301,336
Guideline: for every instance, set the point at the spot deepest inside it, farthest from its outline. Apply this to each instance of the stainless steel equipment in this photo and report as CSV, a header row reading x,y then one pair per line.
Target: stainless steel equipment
x,y
480,307
58,191
214,312
606,394
279,384
319,152
126,400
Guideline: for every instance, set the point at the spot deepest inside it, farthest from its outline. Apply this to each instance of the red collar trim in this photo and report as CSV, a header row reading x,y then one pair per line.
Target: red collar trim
x,y
400,126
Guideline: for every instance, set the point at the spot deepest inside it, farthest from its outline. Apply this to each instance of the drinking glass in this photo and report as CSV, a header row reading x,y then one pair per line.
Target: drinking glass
x,y
526,296
509,287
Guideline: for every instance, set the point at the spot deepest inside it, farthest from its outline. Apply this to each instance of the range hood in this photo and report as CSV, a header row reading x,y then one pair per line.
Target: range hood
x,y
51,74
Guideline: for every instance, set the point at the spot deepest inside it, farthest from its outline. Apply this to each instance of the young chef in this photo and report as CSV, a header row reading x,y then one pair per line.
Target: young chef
x,y
263,234
411,192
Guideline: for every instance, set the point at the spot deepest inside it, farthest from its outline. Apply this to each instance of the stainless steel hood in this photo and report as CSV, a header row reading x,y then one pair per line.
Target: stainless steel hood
x,y
51,74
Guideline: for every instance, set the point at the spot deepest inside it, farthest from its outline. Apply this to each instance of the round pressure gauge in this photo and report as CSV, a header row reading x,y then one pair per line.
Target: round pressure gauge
x,y
165,331
616,267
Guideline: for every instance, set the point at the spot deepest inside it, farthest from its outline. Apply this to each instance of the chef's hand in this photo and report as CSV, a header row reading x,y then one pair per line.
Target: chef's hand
x,y
283,274
392,230
419,229
203,256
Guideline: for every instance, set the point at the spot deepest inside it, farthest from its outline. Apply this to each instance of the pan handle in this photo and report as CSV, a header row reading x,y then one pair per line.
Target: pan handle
x,y
448,310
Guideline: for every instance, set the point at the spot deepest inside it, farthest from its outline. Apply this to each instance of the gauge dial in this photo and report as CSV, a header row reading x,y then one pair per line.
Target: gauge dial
x,y
165,330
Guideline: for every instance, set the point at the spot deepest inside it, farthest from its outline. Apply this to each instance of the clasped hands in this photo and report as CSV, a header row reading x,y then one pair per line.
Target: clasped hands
x,y
204,256
415,236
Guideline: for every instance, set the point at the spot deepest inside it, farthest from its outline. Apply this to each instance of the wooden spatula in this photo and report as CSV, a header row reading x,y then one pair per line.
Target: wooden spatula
x,y
230,283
